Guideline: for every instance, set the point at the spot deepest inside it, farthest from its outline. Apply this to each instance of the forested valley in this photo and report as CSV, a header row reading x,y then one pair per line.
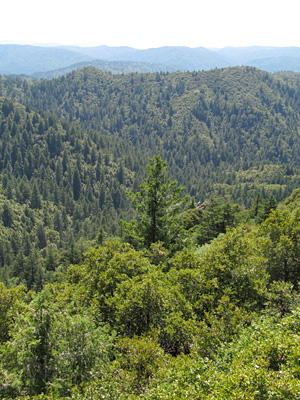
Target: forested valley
x,y
149,241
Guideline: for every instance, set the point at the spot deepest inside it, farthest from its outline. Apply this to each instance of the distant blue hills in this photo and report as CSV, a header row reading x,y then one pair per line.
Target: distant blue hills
x,y
47,62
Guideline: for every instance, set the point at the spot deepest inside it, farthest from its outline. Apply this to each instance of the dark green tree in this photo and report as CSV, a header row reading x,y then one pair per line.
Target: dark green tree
x,y
216,218
41,236
35,200
159,205
7,107
76,184
270,204
7,215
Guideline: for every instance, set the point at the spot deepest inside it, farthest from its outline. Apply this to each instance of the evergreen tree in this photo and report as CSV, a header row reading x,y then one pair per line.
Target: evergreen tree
x,y
159,205
7,216
35,201
270,204
76,184
41,236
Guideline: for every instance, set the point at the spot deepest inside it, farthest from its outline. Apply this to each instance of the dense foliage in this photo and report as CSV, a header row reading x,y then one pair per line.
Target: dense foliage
x,y
230,134
58,184
118,285
229,131
218,322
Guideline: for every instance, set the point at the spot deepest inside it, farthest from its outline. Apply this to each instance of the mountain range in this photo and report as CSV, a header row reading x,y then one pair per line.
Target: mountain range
x,y
49,62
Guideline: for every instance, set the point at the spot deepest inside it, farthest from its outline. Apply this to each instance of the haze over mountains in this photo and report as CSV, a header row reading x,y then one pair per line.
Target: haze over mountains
x,y
48,62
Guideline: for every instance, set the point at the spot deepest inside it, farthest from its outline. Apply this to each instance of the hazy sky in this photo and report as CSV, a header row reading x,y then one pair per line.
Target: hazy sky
x,y
155,23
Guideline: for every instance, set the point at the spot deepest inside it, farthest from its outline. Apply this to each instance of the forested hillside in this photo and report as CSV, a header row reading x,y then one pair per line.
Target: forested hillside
x,y
128,277
58,184
227,131
69,153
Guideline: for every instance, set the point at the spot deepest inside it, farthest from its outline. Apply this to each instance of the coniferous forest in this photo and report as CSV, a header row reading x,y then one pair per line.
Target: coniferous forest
x,y
149,241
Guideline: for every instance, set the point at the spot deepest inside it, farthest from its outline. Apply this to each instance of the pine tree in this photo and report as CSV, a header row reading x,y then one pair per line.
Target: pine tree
x,y
41,236
159,204
7,215
35,200
76,184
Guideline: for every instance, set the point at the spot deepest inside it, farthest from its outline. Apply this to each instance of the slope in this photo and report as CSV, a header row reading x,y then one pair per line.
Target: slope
x,y
229,131
59,185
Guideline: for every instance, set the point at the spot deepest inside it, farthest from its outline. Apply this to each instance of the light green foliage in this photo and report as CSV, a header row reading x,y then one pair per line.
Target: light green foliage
x,y
28,354
281,235
158,254
263,363
137,360
238,267
177,333
219,327
260,364
81,353
142,304
11,303
282,298
48,348
292,203
106,268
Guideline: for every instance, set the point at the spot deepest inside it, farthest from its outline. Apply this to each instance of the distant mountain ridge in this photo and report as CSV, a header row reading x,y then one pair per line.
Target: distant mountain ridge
x,y
117,67
59,60
184,58
25,59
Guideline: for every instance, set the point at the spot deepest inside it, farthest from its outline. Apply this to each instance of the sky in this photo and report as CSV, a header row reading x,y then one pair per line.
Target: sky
x,y
148,24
